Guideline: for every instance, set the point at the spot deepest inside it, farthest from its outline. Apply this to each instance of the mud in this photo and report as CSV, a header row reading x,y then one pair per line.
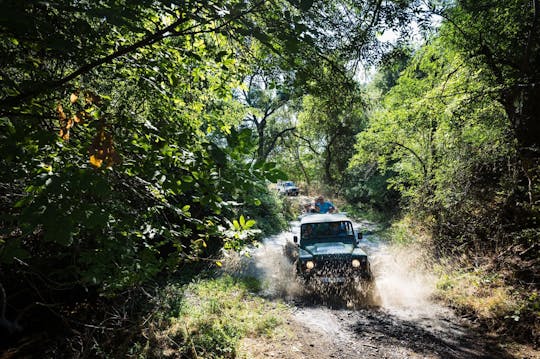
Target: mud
x,y
405,322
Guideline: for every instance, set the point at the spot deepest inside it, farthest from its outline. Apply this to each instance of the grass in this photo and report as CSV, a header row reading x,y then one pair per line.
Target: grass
x,y
477,288
486,295
479,291
208,318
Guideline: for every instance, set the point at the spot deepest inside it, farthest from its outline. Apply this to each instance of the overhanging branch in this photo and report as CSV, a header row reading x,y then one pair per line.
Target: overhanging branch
x,y
308,142
274,140
147,41
424,167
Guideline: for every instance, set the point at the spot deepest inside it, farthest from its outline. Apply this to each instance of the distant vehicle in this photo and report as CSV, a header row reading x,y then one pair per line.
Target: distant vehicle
x,y
328,251
287,188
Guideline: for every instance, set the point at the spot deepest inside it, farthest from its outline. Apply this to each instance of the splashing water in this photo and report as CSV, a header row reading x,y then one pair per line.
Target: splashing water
x,y
269,264
401,279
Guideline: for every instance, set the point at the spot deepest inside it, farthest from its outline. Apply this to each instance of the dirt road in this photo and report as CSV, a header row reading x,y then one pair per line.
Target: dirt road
x,y
406,323
390,333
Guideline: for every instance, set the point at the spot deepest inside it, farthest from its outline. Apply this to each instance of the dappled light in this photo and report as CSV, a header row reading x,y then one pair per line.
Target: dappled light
x,y
177,151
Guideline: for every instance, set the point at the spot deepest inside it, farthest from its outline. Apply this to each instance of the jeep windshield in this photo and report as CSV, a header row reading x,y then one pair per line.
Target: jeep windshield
x,y
340,231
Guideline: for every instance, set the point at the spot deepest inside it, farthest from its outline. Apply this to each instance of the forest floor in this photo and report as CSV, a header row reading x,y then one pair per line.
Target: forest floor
x,y
407,322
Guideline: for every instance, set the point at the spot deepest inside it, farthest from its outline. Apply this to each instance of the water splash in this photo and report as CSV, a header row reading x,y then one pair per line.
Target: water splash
x,y
401,277
268,263
401,280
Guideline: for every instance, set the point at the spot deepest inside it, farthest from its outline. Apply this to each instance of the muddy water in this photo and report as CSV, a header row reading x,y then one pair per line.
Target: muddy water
x,y
400,278
405,323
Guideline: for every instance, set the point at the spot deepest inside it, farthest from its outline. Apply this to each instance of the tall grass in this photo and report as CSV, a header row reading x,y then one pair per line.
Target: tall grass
x,y
208,318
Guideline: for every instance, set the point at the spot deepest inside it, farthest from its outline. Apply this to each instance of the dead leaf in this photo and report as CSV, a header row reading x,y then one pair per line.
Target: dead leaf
x,y
64,134
60,110
96,162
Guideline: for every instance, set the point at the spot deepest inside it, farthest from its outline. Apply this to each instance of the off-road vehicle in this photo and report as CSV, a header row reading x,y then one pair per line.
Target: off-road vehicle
x,y
287,188
328,251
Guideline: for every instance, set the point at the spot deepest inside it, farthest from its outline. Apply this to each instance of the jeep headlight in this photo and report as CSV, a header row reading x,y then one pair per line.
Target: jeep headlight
x,y
310,265
355,263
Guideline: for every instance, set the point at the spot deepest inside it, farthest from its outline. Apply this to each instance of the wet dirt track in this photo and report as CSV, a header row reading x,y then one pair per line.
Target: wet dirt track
x,y
379,333
406,323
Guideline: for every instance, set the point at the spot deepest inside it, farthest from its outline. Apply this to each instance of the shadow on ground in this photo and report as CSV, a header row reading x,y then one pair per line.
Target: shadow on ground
x,y
430,336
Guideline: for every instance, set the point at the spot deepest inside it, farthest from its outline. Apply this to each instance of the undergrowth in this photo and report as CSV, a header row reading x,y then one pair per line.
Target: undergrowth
x,y
405,231
207,319
487,296
368,214
481,287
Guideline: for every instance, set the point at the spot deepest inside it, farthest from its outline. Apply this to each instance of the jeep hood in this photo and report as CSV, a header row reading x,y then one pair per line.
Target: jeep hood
x,y
331,248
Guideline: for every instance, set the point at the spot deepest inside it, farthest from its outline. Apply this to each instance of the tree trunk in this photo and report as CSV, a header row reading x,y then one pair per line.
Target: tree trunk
x,y
301,165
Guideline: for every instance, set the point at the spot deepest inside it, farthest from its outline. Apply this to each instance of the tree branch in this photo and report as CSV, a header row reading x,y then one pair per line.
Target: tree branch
x,y
274,140
424,168
310,146
149,40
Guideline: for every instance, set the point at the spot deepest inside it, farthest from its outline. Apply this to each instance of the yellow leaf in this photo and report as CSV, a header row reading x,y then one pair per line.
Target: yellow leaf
x,y
61,113
74,97
219,264
96,162
64,134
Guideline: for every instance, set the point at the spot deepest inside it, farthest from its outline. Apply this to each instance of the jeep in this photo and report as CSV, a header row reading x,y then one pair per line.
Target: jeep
x,y
328,251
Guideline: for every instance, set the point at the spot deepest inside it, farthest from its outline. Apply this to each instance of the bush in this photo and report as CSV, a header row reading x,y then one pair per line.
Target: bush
x,y
210,320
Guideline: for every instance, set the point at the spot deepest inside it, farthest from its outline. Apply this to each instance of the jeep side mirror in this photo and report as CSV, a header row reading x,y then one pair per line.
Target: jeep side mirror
x,y
359,236
295,239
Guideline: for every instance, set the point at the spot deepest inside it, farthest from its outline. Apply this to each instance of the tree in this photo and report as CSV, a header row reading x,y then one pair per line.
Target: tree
x,y
509,64
267,94
443,138
330,118
120,154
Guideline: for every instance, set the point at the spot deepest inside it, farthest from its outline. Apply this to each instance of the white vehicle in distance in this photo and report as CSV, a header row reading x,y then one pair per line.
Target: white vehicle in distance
x,y
287,188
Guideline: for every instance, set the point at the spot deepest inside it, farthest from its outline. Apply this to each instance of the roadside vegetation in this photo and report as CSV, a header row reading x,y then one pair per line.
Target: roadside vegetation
x,y
139,139
477,286
208,318
491,300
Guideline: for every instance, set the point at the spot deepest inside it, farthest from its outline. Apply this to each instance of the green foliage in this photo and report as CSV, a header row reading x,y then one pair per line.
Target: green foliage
x,y
120,155
329,120
403,232
210,319
499,40
436,129
389,71
367,191
270,214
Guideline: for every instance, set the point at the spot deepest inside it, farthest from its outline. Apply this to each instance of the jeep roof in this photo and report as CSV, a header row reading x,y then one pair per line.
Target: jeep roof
x,y
324,218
